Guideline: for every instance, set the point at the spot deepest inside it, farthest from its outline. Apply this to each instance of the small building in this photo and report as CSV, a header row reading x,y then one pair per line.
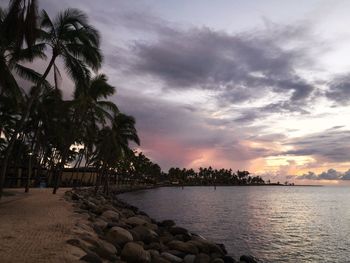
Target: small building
x,y
79,176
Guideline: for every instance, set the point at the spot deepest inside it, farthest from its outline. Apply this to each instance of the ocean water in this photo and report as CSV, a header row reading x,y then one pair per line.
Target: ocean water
x,y
275,224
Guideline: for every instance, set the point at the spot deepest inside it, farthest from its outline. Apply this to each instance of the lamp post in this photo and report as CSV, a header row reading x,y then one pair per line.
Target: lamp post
x,y
29,172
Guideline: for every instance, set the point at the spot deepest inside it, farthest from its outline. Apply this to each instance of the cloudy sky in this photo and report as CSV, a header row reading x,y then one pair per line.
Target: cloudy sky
x,y
256,85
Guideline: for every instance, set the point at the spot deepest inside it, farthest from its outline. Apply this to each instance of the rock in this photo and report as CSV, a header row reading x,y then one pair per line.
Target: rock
x,y
177,253
186,247
171,257
111,215
134,253
91,258
75,196
228,259
100,223
119,223
106,250
217,260
118,236
154,246
86,246
154,253
135,221
101,247
223,248
154,227
140,243
202,258
146,235
160,260
127,213
145,217
179,237
207,247
189,259
248,259
167,223
178,230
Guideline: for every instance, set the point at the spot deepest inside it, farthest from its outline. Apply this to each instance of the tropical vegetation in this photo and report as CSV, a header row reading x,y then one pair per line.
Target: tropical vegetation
x,y
41,133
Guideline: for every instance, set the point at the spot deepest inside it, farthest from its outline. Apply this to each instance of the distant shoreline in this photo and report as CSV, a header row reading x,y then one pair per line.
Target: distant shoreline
x,y
244,185
128,189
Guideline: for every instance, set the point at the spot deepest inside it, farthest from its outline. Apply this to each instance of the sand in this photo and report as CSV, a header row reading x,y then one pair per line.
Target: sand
x,y
34,227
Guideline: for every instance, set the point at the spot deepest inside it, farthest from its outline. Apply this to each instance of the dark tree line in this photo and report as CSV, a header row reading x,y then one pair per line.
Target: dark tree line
x,y
210,176
38,128
42,132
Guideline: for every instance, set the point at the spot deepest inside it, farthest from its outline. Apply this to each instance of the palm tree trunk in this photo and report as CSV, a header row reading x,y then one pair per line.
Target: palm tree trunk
x,y
21,124
60,170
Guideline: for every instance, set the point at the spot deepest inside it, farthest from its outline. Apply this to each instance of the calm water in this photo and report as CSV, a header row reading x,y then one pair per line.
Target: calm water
x,y
275,224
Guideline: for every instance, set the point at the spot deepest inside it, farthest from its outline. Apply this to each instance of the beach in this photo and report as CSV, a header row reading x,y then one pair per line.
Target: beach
x,y
76,225
34,227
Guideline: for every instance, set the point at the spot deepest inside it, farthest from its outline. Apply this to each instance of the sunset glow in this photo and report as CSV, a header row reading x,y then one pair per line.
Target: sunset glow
x,y
255,85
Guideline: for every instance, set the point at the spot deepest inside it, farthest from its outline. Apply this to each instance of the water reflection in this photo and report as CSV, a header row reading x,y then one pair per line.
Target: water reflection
x,y
276,224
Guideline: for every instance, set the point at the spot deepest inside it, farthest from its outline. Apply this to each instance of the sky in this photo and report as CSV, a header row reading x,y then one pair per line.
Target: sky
x,y
257,85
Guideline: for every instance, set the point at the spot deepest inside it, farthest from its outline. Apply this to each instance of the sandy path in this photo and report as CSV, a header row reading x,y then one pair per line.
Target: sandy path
x,y
34,227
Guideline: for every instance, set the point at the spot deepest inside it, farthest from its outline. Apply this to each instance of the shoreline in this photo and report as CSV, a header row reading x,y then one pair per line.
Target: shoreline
x,y
135,236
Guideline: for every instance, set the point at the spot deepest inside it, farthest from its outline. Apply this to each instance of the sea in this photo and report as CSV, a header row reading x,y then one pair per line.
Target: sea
x,y
272,223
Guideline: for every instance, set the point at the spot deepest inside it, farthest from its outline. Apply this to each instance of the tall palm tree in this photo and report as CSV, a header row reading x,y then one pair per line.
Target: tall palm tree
x,y
71,38
90,109
21,22
113,143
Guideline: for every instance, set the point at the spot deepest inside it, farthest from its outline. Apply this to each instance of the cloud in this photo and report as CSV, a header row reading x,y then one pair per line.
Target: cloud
x,y
339,90
175,135
330,174
331,146
239,67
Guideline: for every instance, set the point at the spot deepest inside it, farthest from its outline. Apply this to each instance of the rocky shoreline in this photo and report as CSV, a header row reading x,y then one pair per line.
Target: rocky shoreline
x,y
119,232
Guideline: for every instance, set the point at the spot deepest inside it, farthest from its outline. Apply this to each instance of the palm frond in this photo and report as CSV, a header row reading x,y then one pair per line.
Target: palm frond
x,y
30,74
99,87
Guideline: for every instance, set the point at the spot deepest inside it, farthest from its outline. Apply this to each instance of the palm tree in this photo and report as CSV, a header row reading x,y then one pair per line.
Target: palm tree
x,y
71,38
21,22
113,144
89,111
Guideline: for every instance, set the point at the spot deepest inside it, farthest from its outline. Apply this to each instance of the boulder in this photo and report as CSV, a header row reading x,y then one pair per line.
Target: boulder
x,y
119,223
101,247
134,253
100,223
248,259
202,258
166,237
206,246
146,218
118,236
135,221
146,235
160,260
171,257
154,227
111,215
154,245
218,260
106,250
167,223
86,246
189,259
185,247
154,253
91,258
127,213
177,253
177,230
228,259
